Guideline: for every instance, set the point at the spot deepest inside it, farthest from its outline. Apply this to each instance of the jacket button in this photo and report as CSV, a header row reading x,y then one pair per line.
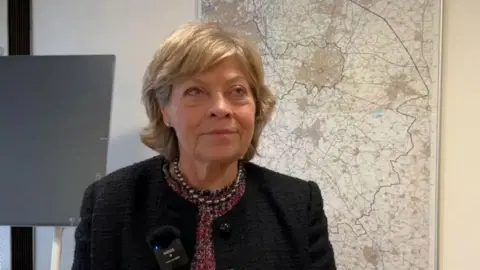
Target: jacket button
x,y
225,228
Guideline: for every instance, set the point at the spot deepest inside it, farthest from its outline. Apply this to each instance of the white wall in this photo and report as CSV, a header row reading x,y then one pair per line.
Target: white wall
x,y
4,231
129,29
460,179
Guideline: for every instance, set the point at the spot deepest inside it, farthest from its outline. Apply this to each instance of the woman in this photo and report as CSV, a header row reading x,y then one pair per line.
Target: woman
x,y
207,103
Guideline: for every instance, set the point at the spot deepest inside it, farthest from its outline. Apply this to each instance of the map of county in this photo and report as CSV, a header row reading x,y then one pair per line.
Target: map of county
x,y
357,86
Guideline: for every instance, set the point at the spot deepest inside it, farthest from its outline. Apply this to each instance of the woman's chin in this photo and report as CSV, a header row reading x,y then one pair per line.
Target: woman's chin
x,y
221,154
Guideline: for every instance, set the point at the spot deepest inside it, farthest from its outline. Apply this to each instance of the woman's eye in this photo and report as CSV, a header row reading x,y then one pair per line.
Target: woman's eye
x,y
239,91
194,91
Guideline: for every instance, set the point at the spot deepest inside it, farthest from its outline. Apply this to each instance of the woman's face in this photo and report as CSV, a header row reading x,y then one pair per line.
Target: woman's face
x,y
213,113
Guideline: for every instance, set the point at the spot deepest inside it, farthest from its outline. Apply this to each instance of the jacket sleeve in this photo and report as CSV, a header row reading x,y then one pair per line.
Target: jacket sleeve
x,y
81,258
320,249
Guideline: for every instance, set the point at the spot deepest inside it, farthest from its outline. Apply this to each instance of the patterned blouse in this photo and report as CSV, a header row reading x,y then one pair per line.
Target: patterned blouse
x,y
210,206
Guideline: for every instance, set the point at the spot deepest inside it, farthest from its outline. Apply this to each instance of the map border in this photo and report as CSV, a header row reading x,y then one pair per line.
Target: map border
x,y
436,196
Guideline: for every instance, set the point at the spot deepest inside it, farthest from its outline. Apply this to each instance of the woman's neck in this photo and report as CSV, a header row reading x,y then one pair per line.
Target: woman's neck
x,y
208,175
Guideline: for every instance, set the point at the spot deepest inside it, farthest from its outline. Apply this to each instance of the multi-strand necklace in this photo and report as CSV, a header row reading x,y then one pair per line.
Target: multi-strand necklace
x,y
211,204
206,197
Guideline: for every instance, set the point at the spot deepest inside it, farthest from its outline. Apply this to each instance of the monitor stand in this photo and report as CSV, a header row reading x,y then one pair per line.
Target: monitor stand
x,y
56,248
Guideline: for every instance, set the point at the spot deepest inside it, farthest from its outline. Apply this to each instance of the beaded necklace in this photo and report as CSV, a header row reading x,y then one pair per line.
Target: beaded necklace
x,y
211,204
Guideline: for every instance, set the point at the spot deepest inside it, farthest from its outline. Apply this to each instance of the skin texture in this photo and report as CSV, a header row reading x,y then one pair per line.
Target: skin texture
x,y
213,115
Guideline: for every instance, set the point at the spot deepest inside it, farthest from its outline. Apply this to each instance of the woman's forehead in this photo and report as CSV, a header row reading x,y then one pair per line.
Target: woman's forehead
x,y
229,69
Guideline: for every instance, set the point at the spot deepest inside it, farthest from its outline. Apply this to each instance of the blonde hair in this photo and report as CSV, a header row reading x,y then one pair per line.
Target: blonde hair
x,y
191,49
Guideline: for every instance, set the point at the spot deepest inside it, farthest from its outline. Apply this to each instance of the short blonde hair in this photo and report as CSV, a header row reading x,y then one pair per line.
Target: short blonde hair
x,y
191,49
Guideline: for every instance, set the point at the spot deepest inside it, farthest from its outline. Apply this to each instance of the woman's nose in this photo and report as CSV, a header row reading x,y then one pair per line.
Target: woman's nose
x,y
220,107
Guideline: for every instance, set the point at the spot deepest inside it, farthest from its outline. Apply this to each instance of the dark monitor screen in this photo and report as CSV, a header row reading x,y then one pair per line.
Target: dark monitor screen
x,y
54,129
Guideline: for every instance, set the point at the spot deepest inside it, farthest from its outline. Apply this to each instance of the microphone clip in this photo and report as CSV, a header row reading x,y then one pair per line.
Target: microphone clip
x,y
171,257
168,248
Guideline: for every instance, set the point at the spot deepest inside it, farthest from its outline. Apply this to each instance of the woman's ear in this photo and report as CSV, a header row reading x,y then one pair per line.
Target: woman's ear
x,y
165,116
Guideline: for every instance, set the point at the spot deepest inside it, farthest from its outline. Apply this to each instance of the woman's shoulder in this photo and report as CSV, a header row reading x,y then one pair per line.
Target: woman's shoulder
x,y
123,181
132,172
276,180
281,184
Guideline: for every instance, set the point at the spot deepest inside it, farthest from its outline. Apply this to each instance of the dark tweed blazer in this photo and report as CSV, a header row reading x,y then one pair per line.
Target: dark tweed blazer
x,y
278,224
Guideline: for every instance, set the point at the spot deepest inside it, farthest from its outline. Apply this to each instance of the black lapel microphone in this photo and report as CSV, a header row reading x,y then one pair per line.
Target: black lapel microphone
x,y
168,249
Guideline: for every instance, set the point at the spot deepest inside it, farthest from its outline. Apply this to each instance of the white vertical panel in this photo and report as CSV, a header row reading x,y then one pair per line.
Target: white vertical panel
x,y
4,230
3,30
5,248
